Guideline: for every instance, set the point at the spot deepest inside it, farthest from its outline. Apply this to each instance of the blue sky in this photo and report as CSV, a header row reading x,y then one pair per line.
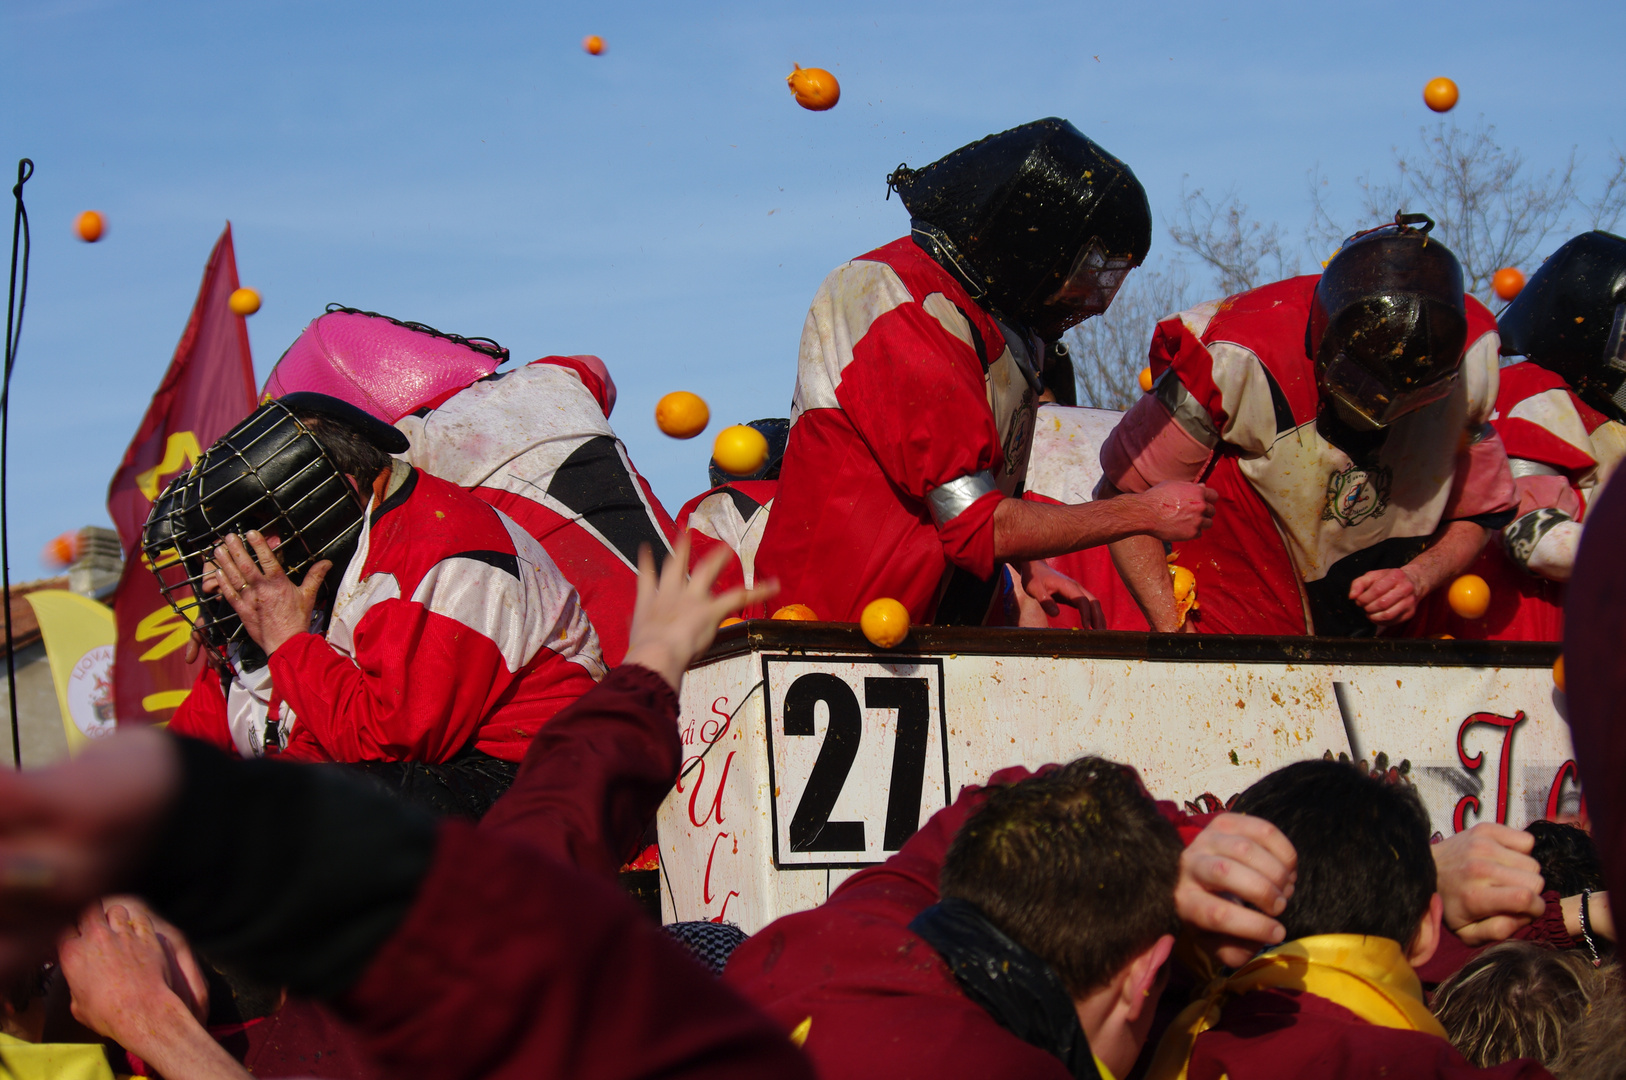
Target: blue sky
x,y
665,205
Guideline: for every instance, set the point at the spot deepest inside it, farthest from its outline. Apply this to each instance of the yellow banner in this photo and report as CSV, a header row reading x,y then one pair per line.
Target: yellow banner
x,y
79,634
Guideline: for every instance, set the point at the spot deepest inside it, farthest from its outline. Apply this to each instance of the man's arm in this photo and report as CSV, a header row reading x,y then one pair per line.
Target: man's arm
x,y
1174,510
1391,596
1142,564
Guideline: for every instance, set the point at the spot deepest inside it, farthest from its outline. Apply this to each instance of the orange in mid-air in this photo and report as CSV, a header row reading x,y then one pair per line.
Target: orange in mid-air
x,y
885,622
1558,673
681,414
739,450
1440,94
593,44
90,226
815,88
796,613
1146,379
244,301
1507,282
1469,596
61,551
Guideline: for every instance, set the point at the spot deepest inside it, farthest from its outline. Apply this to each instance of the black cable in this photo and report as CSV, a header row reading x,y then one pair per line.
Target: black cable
x,y
15,300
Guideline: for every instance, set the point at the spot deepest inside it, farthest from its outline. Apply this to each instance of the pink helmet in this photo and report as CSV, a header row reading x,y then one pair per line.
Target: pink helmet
x,y
380,364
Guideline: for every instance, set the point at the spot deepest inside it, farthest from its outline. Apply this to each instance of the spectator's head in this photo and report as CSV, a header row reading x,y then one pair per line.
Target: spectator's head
x,y
1568,857
1518,1000
1363,848
1077,866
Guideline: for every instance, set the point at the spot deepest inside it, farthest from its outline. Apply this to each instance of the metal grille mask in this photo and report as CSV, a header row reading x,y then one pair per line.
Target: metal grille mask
x,y
268,473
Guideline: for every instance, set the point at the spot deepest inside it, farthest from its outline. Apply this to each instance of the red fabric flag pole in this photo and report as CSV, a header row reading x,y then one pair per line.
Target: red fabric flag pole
x,y
208,388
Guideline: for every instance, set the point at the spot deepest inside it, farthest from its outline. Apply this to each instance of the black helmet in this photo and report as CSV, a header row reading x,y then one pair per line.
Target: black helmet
x,y
1038,222
1388,323
777,431
1571,318
268,473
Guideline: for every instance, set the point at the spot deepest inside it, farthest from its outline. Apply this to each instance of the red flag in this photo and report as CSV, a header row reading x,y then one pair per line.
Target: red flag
x,y
208,388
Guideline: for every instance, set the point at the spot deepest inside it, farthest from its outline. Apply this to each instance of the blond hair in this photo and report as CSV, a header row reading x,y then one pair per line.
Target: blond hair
x,y
1520,1000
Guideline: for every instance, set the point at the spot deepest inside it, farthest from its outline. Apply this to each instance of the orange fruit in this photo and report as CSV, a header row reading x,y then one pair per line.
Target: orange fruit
x,y
1469,596
1507,282
796,613
730,621
1558,673
681,414
1440,94
1146,379
593,44
244,301
739,450
61,551
815,88
885,622
90,226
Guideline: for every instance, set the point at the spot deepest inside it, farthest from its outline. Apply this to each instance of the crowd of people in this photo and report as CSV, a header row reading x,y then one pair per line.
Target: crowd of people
x,y
447,585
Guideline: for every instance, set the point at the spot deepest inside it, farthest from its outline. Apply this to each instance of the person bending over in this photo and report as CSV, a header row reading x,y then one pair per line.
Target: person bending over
x,y
1022,932
362,610
1339,997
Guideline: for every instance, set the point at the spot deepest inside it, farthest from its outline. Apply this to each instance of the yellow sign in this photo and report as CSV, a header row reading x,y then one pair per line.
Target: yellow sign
x,y
79,634
174,627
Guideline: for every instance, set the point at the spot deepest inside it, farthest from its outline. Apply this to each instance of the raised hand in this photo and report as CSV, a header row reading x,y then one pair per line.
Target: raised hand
x,y
1178,509
1490,884
1234,878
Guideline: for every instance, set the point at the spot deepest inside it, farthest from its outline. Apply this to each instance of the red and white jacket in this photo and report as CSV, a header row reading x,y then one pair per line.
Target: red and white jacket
x,y
911,421
1235,401
450,627
536,443
733,515
1562,452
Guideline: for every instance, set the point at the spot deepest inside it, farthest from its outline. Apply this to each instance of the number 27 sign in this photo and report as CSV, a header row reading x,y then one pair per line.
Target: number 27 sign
x,y
857,756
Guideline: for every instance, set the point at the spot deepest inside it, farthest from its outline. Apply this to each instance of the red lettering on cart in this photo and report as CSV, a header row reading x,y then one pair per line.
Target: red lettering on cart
x,y
712,724
1504,769
721,915
705,885
1555,794
699,779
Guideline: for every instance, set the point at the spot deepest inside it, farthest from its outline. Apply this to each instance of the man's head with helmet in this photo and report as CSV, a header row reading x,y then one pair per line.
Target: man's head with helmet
x,y
1571,319
300,470
1387,325
1038,223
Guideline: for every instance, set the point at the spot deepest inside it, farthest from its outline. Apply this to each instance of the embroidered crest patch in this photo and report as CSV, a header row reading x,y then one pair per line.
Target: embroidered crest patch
x,y
1356,494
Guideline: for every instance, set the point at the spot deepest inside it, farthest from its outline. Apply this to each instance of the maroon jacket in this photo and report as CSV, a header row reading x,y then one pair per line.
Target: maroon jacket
x,y
882,1001
459,952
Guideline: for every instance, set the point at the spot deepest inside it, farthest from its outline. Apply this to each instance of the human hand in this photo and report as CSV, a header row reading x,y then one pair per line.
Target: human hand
x,y
119,972
1234,877
1490,884
1052,588
676,615
70,833
1388,596
272,607
1178,509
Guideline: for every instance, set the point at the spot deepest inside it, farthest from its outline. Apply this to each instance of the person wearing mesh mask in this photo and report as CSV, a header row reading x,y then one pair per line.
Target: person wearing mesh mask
x,y
364,611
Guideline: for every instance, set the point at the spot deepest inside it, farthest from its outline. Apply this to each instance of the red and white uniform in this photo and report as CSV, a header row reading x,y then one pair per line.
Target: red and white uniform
x,y
536,443
1063,468
733,515
1235,402
911,421
1563,452
450,626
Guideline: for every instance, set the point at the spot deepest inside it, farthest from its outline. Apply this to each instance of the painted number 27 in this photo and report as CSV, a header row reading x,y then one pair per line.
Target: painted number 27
x,y
810,826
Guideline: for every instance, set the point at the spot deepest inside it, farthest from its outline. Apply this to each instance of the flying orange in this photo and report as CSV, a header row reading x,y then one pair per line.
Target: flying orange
x,y
593,44
1146,379
815,88
1469,596
739,450
682,415
1507,282
1558,674
1440,94
90,226
885,622
244,301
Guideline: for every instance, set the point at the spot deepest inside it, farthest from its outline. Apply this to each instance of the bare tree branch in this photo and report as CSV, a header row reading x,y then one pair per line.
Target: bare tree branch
x,y
1606,211
1109,350
1242,252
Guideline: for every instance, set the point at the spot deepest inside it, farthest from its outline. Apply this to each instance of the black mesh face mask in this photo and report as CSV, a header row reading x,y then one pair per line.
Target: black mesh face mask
x,y
269,473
